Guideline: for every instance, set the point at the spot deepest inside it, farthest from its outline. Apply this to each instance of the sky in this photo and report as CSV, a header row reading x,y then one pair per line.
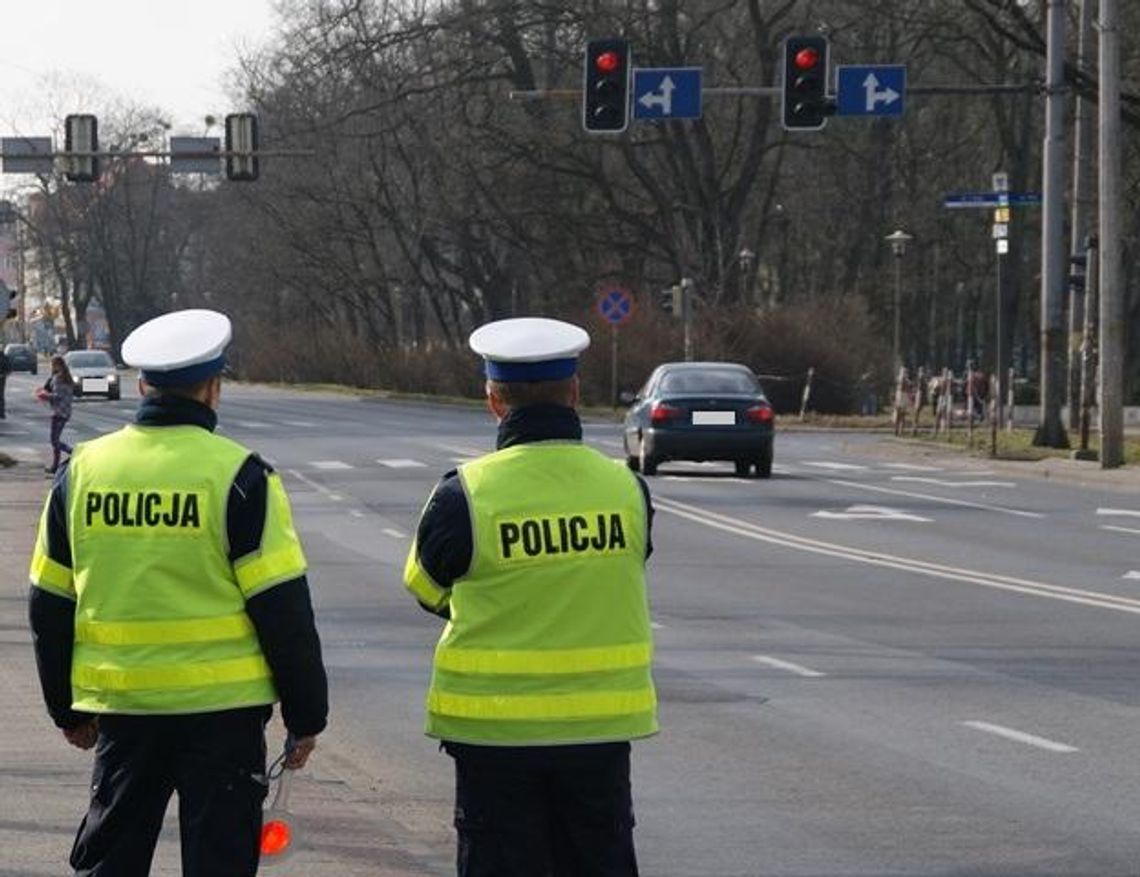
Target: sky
x,y
173,55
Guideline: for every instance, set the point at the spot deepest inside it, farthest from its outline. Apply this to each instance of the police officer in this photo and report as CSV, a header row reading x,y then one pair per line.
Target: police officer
x,y
536,555
170,610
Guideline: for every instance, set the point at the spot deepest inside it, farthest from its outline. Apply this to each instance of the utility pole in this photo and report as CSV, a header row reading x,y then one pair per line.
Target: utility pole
x,y
1050,431
1089,347
1079,224
687,315
1111,396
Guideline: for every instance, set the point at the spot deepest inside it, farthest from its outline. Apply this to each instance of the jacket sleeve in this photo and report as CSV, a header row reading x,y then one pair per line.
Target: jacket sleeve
x,y
271,572
51,606
443,547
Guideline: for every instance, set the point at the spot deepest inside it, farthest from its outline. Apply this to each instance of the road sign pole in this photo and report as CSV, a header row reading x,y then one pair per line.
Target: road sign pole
x,y
614,365
995,377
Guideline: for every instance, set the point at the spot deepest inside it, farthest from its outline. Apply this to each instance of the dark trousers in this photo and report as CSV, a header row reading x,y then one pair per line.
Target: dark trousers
x,y
544,811
216,764
57,442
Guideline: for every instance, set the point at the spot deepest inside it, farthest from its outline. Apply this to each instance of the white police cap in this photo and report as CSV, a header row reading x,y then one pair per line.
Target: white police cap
x,y
179,348
529,348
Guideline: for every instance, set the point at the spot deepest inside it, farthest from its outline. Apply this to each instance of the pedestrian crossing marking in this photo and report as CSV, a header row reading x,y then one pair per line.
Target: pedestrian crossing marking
x,y
329,464
402,463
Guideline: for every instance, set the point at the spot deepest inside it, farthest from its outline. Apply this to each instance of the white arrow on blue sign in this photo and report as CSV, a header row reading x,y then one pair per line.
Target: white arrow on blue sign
x,y
870,90
667,92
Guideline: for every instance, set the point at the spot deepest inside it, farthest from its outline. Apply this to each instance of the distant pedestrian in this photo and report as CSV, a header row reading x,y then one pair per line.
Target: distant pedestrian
x,y
58,391
902,400
5,368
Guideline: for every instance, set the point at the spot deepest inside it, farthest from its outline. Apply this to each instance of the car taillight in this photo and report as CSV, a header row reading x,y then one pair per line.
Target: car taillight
x,y
662,413
759,414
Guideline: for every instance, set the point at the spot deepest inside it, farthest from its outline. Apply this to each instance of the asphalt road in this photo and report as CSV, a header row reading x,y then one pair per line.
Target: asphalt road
x,y
871,664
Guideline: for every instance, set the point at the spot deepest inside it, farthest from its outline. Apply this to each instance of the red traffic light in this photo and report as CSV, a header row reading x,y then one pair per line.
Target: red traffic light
x,y
806,59
607,62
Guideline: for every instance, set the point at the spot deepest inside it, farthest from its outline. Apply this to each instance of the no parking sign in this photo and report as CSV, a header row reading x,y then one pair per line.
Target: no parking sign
x,y
615,304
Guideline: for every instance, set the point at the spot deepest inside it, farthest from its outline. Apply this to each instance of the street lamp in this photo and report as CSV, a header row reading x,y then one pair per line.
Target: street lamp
x,y
898,240
747,258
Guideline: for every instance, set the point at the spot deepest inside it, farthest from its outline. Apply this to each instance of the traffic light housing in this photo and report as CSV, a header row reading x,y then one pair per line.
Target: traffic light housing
x,y
605,86
1078,273
805,102
81,145
672,301
241,138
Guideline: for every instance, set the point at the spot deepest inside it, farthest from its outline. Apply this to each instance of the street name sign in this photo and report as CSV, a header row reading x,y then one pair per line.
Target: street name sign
x,y
991,199
667,92
870,90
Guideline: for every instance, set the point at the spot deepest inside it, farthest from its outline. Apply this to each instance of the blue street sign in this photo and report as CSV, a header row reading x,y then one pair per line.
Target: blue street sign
x,y
870,90
615,305
991,199
666,92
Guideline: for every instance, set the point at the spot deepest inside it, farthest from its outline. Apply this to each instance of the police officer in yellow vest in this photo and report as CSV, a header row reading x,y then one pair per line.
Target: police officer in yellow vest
x,y
170,610
536,556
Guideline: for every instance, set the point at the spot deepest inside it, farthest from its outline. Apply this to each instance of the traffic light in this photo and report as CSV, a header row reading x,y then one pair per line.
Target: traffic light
x,y
81,143
805,102
605,87
241,138
671,300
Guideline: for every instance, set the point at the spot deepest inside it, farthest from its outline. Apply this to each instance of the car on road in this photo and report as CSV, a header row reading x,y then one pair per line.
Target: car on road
x,y
21,358
94,373
700,411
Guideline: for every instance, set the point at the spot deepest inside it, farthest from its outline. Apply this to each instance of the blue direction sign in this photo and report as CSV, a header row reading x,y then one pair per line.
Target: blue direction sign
x,y
991,199
615,305
667,92
870,90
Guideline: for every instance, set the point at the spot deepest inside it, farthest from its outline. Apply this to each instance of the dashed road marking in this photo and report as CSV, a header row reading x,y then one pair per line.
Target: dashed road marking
x,y
252,424
304,424
839,467
942,482
798,669
316,485
402,463
870,513
944,499
329,464
1125,512
394,533
1020,736
912,467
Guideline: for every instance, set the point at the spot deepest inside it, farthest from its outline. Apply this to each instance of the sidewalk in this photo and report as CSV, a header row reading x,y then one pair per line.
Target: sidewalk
x,y
45,781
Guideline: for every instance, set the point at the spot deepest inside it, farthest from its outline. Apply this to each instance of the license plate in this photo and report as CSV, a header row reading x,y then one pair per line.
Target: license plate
x,y
714,418
95,385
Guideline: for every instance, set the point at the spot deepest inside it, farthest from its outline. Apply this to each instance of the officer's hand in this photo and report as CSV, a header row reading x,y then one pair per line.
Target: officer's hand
x,y
83,735
299,754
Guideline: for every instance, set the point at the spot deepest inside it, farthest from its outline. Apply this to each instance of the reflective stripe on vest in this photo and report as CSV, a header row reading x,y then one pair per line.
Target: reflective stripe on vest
x,y
160,622
549,639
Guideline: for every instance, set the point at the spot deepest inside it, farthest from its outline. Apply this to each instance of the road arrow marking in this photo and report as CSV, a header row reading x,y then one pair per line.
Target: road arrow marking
x,y
887,96
663,97
869,512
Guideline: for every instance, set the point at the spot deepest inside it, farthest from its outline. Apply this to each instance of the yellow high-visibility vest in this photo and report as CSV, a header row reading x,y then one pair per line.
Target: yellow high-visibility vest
x,y
549,639
160,621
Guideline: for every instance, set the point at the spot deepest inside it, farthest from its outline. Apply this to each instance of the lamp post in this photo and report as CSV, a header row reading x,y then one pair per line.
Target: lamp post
x,y
746,258
898,240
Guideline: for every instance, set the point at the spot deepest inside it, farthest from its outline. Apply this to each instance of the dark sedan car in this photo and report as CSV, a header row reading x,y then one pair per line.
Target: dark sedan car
x,y
700,411
21,358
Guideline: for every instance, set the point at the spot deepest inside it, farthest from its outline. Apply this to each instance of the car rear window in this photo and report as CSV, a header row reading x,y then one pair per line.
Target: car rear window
x,y
710,381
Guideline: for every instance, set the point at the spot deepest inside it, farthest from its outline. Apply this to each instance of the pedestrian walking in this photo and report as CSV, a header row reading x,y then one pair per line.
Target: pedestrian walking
x,y
170,610
58,391
5,370
536,556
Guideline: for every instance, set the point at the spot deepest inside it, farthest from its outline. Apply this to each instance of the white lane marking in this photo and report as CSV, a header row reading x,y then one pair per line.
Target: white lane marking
x,y
402,463
941,482
748,530
656,625
356,513
870,512
1116,529
329,464
12,432
847,467
973,505
461,459
252,424
305,424
912,467
394,533
1132,512
1021,736
461,450
798,669
1132,574
316,485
